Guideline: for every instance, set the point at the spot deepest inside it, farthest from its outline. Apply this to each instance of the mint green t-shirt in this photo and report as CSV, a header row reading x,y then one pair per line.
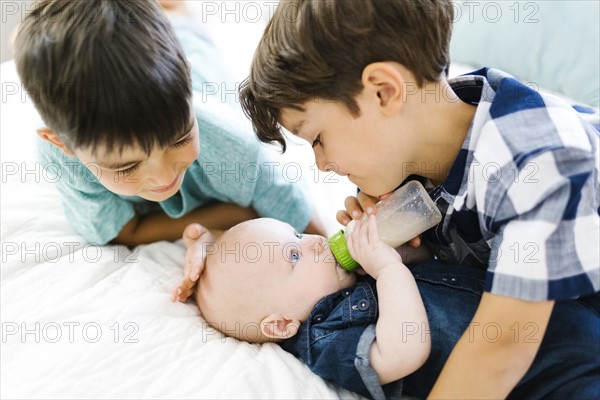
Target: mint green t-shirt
x,y
232,167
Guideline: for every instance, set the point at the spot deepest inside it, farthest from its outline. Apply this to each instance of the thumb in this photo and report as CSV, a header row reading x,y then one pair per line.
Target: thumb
x,y
385,196
192,231
415,242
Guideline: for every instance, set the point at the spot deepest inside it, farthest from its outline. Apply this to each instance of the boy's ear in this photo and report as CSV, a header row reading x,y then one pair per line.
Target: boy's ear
x,y
53,138
276,326
387,83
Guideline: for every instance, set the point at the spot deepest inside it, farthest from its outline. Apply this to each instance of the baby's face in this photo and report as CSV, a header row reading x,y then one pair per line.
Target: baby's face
x,y
294,270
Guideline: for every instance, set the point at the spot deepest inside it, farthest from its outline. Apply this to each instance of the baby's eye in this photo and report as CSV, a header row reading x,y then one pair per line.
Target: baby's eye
x,y
298,235
294,256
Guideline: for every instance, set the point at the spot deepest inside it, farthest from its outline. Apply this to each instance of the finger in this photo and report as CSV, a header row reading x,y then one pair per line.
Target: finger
x,y
362,234
353,207
385,196
188,266
196,270
360,271
373,234
176,293
367,203
350,244
185,294
415,242
192,232
186,284
343,217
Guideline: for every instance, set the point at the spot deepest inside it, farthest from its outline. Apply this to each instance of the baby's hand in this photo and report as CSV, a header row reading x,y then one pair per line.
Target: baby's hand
x,y
355,206
195,238
368,250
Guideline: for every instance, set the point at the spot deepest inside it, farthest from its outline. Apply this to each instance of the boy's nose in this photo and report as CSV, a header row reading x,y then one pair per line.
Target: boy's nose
x,y
162,175
321,163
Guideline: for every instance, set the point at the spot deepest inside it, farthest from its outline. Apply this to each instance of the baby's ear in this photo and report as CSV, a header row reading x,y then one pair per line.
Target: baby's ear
x,y
53,138
276,326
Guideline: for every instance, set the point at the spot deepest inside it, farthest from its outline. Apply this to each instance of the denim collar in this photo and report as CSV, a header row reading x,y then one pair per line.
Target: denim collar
x,y
348,307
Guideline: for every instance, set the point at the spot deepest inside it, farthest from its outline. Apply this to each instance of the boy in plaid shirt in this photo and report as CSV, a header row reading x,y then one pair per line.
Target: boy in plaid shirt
x,y
515,173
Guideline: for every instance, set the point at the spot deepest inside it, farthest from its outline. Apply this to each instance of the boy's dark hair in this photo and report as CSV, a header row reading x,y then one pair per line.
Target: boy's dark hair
x,y
319,48
106,73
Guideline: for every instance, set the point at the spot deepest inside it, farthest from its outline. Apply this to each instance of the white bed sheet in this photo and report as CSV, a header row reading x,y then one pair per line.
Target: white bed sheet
x,y
82,321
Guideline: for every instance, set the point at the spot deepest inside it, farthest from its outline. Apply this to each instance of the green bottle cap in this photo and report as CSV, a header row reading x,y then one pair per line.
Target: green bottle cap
x,y
339,248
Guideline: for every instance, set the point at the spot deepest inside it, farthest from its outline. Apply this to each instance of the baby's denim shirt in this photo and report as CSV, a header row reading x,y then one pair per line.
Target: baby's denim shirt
x,y
336,339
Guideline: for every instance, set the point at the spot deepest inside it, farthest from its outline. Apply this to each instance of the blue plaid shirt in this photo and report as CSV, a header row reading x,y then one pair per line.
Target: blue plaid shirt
x,y
522,197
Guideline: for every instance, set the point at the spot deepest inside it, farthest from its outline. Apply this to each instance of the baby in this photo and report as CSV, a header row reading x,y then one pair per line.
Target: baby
x,y
265,282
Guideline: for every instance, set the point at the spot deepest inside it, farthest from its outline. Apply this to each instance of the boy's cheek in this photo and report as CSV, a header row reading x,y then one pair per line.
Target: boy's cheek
x,y
121,185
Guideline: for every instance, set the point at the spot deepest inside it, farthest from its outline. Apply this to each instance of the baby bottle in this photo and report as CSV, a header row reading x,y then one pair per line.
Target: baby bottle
x,y
406,213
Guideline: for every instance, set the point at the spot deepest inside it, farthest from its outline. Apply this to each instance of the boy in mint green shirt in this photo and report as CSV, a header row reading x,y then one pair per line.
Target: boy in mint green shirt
x,y
137,159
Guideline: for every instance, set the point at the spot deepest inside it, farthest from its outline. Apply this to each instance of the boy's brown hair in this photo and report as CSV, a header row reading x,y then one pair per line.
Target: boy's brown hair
x,y
319,48
106,73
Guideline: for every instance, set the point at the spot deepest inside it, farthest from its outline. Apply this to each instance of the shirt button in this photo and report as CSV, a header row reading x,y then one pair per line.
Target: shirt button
x,y
363,305
318,318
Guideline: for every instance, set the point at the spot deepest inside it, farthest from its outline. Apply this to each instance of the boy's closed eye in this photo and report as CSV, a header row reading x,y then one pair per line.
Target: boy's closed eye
x,y
316,141
128,170
122,170
183,141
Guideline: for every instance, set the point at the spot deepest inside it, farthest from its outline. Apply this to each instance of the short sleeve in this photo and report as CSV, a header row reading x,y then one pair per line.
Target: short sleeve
x,y
239,169
368,374
546,228
94,212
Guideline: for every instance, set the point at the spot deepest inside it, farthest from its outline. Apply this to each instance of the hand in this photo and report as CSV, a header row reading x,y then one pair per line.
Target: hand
x,y
355,207
195,238
368,249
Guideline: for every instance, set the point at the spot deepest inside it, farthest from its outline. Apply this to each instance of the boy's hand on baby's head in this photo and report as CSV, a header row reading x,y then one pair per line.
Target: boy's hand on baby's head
x,y
369,250
355,206
195,237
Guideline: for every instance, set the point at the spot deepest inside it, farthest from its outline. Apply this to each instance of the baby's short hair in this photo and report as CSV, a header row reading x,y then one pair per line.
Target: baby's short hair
x,y
319,48
228,302
106,73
